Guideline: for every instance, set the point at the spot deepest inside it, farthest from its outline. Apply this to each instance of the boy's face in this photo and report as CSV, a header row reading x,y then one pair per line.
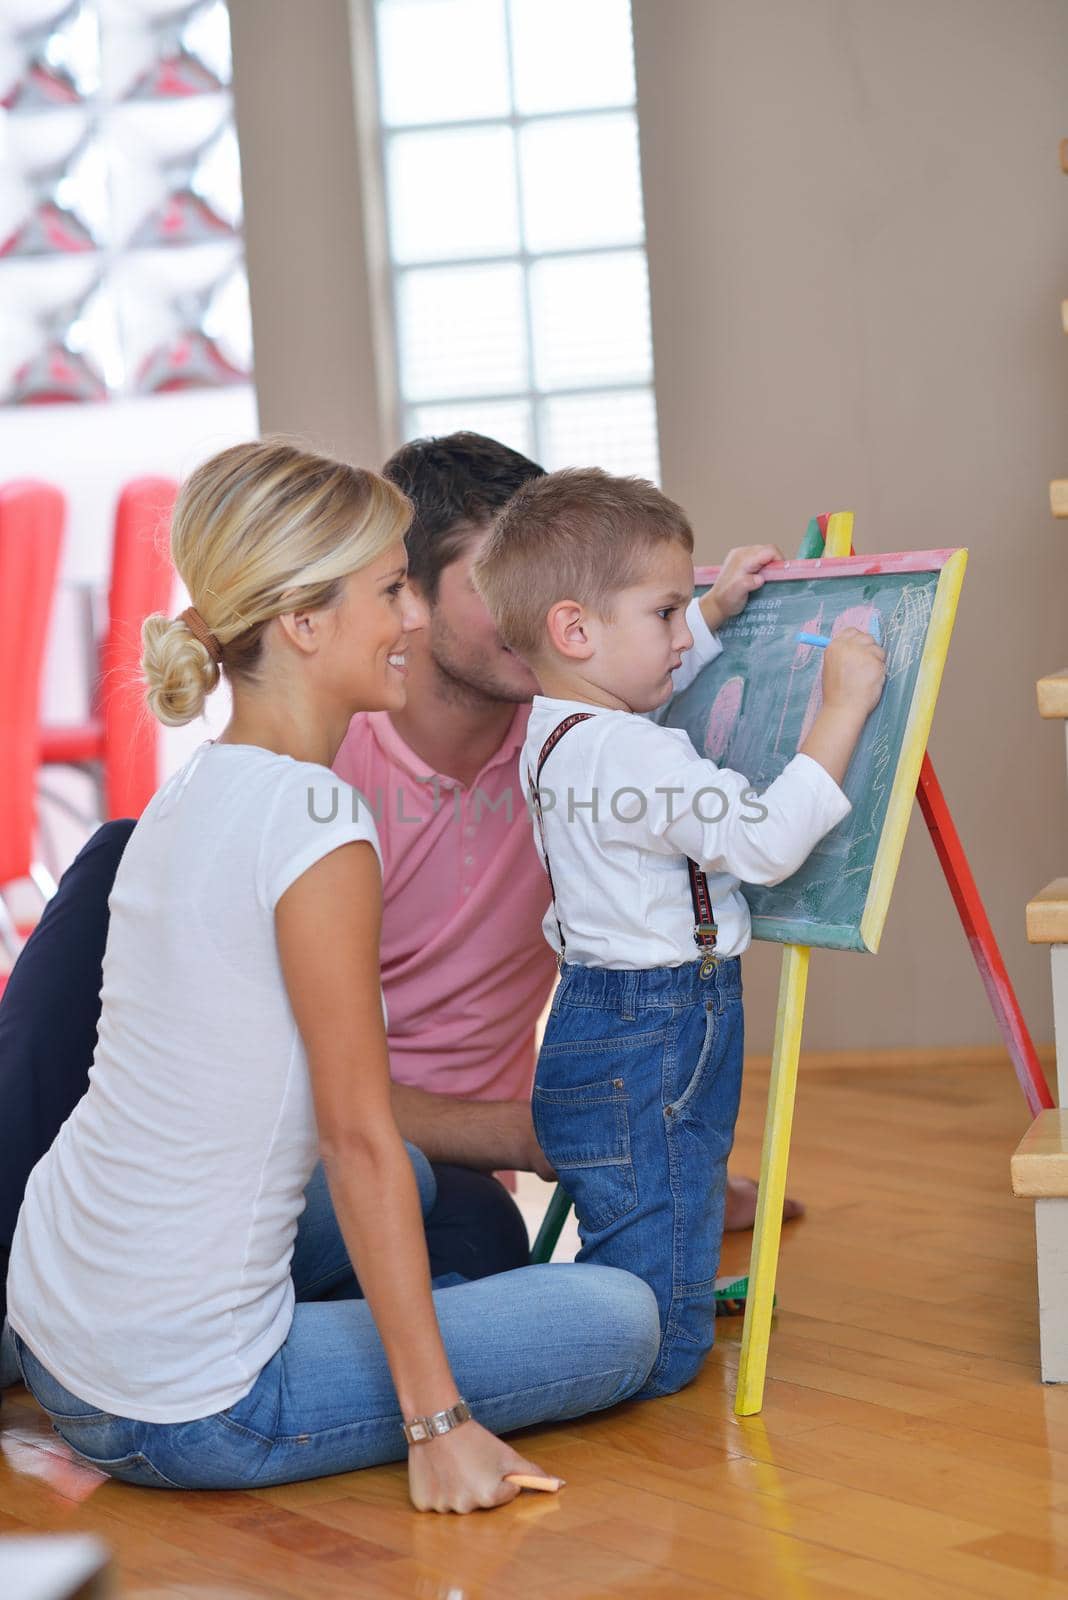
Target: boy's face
x,y
636,653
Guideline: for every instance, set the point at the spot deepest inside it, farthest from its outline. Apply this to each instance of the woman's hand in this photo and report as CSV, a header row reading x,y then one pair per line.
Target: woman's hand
x,y
464,1470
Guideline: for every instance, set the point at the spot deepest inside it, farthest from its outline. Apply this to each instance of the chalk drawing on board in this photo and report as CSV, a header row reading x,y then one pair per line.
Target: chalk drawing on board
x,y
907,628
799,665
722,717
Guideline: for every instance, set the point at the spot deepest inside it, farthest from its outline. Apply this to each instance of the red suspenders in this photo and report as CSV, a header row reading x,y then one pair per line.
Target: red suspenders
x,y
704,923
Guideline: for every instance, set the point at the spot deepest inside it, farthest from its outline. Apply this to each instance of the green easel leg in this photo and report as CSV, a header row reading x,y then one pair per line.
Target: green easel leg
x,y
552,1222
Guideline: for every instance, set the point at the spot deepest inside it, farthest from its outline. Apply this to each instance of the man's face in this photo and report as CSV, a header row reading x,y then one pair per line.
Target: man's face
x,y
463,641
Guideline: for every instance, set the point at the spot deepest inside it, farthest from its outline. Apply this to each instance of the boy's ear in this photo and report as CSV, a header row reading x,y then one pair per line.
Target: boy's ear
x,y
568,626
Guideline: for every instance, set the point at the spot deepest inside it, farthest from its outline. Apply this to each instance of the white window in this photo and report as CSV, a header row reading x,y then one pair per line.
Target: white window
x,y
516,232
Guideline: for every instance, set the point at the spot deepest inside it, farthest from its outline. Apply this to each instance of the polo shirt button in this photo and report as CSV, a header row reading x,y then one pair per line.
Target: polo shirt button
x,y
469,861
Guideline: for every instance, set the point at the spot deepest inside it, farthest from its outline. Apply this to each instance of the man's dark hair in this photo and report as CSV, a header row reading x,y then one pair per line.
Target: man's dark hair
x,y
581,535
457,484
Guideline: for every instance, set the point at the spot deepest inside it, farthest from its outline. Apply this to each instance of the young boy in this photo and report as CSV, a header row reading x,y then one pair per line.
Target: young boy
x,y
590,579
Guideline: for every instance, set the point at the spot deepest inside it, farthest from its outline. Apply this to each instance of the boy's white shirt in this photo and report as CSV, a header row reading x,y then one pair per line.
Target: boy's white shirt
x,y
622,883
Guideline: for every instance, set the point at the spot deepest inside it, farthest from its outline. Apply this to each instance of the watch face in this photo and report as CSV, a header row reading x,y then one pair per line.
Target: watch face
x,y
442,1423
417,1432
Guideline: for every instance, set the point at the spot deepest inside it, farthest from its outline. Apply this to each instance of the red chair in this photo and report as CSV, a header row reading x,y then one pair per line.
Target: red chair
x,y
119,744
32,516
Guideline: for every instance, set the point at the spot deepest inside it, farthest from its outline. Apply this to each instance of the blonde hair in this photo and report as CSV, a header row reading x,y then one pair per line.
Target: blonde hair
x,y
578,535
259,530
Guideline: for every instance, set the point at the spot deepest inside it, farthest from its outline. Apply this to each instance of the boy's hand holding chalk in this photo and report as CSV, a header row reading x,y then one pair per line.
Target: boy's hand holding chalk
x,y
822,640
854,671
854,667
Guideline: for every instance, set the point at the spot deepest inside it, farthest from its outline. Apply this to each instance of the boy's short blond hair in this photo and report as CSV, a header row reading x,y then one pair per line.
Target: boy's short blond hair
x,y
578,535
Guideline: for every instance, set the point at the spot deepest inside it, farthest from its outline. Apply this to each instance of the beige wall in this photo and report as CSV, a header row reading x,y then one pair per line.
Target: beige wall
x,y
320,355
857,244
857,239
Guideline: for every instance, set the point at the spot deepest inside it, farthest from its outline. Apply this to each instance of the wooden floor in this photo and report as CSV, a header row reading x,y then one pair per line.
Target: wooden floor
x,y
907,1448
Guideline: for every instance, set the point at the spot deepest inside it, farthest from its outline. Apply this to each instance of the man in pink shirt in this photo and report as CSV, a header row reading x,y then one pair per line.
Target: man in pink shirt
x,y
465,967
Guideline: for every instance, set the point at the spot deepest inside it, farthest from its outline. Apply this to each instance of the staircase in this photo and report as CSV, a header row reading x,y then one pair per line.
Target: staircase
x,y
1040,1164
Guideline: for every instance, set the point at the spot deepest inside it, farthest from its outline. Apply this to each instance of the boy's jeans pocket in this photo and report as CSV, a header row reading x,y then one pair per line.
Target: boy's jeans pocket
x,y
585,1133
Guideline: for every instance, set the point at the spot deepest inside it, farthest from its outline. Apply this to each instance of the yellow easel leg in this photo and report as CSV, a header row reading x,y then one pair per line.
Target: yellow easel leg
x,y
773,1163
839,539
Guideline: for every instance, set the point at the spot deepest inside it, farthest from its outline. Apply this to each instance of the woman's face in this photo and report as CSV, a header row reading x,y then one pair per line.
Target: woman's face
x,y
376,614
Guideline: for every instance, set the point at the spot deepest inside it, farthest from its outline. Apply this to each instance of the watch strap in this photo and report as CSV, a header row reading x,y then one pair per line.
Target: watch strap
x,y
419,1429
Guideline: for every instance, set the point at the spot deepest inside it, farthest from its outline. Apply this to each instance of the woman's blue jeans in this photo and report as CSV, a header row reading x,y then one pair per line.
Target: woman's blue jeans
x,y
540,1344
635,1101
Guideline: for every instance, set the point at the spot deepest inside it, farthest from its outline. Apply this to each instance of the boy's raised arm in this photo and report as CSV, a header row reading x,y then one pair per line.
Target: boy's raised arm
x,y
711,813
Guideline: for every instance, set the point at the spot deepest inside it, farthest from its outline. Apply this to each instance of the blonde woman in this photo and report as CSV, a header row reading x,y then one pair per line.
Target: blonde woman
x,y
242,1036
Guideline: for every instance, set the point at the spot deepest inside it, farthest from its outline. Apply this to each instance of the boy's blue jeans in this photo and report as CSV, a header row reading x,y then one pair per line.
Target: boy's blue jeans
x,y
635,1101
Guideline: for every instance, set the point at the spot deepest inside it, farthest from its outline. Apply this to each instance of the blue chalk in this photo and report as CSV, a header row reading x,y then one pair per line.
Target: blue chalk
x,y
822,640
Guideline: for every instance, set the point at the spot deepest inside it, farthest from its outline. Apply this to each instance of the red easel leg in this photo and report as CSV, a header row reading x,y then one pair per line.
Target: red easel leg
x,y
980,936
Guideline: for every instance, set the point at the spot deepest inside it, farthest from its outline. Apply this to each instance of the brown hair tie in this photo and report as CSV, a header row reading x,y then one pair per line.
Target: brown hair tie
x,y
200,630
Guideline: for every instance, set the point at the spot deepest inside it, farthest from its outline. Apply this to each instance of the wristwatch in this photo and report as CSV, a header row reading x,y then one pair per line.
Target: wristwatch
x,y
420,1429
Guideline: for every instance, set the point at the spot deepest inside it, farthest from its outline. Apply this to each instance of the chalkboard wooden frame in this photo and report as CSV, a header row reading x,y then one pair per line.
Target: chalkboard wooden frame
x,y
950,565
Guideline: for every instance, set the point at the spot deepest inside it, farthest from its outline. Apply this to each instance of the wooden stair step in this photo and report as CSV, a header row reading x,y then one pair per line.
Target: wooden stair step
x,y
1053,694
1047,914
1040,1161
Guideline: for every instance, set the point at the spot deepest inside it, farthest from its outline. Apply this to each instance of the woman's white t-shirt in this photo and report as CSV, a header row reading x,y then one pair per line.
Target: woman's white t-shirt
x,y
150,1266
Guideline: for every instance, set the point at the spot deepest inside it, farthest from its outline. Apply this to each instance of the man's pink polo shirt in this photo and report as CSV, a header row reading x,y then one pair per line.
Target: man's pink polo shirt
x,y
465,967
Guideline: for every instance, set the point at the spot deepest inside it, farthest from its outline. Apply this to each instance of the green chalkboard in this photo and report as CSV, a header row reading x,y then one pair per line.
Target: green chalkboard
x,y
752,706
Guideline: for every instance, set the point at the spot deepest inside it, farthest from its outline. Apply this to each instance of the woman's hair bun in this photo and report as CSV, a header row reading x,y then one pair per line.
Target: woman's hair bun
x,y
178,670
